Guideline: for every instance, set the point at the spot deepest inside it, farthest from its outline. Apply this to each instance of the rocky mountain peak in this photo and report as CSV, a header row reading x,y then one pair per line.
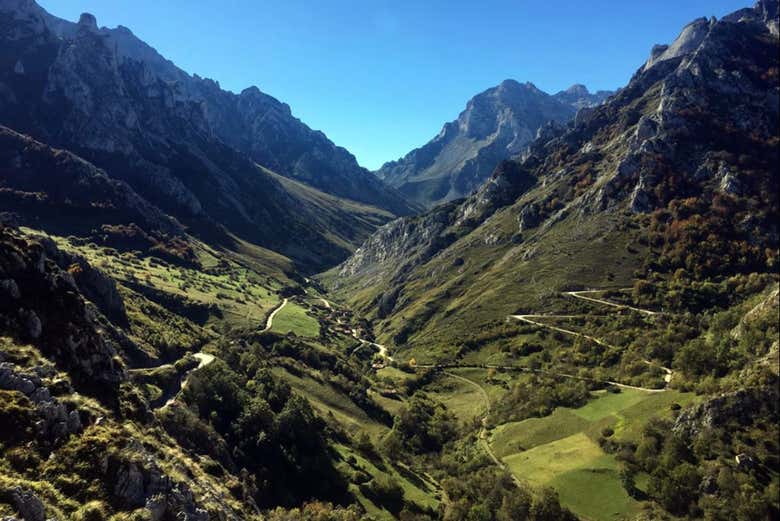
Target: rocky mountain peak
x,y
689,39
578,89
89,21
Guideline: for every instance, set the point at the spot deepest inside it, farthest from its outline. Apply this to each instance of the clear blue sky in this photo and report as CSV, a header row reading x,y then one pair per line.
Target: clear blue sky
x,y
380,77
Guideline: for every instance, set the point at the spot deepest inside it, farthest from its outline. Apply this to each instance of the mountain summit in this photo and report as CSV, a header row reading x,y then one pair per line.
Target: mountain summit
x,y
496,125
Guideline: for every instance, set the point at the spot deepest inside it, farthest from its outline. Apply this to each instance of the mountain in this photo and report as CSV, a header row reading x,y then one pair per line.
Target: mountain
x,y
109,98
578,96
251,122
496,125
623,253
672,134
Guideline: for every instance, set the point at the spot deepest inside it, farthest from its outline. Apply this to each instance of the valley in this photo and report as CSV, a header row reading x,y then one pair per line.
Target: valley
x,y
564,306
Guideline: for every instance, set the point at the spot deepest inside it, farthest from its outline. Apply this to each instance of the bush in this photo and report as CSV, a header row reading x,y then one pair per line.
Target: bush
x,y
92,511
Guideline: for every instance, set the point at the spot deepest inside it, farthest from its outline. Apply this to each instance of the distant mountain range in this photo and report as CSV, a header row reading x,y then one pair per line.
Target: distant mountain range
x,y
497,124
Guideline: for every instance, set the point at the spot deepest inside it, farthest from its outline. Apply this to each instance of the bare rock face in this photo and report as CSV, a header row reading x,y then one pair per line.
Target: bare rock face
x,y
142,484
496,125
55,422
740,406
29,505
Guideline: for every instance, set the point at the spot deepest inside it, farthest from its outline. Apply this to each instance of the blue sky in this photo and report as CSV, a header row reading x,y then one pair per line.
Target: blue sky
x,y
380,77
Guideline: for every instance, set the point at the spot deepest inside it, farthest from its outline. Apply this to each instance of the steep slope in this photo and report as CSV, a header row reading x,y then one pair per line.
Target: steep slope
x,y
77,87
252,122
496,125
57,191
666,157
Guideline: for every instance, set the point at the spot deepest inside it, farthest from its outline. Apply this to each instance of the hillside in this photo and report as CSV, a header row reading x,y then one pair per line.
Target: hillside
x,y
665,148
620,255
497,124
109,98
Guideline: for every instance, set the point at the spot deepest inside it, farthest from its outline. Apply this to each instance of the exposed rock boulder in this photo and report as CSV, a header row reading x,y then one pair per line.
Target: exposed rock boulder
x,y
739,406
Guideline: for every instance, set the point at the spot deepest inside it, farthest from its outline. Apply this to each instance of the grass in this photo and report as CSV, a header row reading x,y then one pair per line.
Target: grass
x,y
585,477
608,404
418,488
512,437
329,402
561,450
243,295
293,318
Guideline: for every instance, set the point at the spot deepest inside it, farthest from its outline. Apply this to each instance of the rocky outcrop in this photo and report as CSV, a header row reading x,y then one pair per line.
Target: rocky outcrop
x,y
44,306
739,407
401,243
29,504
55,421
141,484
496,125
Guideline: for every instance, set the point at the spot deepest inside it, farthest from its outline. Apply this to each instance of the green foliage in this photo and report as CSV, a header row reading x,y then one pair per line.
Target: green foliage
x,y
488,494
272,431
539,396
423,425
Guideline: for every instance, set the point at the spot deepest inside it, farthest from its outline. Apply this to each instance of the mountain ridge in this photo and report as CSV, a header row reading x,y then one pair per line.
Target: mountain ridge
x,y
495,125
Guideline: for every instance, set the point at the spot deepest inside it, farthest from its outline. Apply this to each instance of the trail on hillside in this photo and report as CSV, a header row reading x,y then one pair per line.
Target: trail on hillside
x,y
270,322
581,295
363,342
483,433
170,396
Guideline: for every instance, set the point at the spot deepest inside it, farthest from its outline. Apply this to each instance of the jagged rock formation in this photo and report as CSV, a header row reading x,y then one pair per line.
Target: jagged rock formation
x,y
496,125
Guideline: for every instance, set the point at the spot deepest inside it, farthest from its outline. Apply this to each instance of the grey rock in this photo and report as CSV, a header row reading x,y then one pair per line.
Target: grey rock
x,y
9,289
31,322
28,504
496,125
529,217
129,486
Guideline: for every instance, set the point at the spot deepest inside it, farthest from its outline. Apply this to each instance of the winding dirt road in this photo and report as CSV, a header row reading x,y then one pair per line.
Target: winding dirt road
x,y
581,295
204,359
530,319
270,322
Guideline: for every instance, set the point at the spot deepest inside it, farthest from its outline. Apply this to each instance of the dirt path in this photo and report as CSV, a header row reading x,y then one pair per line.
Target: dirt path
x,y
530,320
483,433
270,322
326,303
363,342
204,359
581,295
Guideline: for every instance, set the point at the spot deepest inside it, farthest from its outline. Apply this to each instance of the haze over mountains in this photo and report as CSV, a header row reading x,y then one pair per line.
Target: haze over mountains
x,y
210,312
497,124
